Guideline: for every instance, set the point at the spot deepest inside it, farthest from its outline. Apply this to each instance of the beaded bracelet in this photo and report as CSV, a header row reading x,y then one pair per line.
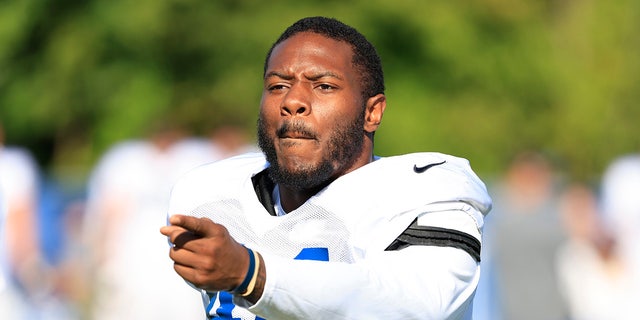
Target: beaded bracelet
x,y
242,288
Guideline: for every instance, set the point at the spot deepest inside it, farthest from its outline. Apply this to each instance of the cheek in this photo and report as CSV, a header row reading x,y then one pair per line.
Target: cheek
x,y
268,114
346,111
269,104
265,124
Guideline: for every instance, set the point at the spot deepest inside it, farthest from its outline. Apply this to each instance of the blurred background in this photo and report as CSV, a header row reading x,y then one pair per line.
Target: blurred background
x,y
541,96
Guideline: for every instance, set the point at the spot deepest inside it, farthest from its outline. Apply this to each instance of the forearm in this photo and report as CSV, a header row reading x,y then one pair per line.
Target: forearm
x,y
391,285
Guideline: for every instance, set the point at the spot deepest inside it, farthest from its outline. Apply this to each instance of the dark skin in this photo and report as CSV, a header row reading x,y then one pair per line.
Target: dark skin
x,y
309,78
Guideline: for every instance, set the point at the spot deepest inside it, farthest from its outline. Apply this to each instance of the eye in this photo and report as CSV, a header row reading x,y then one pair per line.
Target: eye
x,y
276,87
326,87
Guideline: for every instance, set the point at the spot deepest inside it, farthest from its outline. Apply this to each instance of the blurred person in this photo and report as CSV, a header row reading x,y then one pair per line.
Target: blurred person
x,y
621,204
316,226
231,140
22,280
487,302
593,278
128,192
69,296
223,142
12,302
59,203
522,236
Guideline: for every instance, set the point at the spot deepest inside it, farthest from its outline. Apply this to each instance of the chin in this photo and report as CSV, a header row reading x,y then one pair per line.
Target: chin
x,y
297,165
298,158
302,175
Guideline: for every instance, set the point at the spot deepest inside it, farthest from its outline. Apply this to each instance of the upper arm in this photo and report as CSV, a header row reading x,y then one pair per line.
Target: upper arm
x,y
450,224
419,235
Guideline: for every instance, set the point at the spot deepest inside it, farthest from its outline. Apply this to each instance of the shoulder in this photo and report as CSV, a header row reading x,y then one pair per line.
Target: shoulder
x,y
247,164
448,177
126,149
621,178
120,162
221,179
414,165
622,167
619,188
419,179
121,156
384,197
16,157
198,148
18,169
17,163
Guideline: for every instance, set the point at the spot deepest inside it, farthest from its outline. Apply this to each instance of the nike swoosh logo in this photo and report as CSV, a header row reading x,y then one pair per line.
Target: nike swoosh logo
x,y
417,169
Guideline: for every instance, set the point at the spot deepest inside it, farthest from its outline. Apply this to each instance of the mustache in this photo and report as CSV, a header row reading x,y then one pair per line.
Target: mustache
x,y
299,127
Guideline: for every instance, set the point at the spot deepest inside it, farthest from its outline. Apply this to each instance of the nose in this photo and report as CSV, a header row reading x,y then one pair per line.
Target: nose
x,y
296,102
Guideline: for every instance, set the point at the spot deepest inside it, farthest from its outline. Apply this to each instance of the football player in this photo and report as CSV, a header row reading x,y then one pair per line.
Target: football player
x,y
316,226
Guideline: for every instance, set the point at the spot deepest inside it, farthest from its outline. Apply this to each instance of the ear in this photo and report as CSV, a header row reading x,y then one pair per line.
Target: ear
x,y
373,113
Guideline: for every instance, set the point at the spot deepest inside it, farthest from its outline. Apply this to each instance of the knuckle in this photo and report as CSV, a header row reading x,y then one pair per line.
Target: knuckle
x,y
201,279
209,265
198,279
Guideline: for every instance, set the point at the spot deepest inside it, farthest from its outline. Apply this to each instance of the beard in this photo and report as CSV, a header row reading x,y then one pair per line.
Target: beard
x,y
344,146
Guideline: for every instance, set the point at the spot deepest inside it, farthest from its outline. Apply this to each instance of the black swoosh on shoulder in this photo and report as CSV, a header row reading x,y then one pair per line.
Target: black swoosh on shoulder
x,y
422,169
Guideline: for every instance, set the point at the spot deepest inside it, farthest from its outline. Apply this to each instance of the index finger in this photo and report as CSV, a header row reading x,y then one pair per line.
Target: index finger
x,y
199,226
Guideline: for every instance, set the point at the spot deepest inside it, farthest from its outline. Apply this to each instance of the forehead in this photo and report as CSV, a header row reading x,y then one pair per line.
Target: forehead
x,y
312,51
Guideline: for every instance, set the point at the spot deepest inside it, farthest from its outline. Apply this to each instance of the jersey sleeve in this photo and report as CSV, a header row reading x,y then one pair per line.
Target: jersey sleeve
x,y
415,282
447,224
418,282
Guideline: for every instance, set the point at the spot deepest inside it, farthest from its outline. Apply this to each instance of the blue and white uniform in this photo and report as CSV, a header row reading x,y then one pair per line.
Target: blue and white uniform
x,y
331,259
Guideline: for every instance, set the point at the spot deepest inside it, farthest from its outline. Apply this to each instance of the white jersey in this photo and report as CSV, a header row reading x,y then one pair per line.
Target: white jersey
x,y
347,226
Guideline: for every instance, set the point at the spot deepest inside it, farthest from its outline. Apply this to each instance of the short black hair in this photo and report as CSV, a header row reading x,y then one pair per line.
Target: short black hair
x,y
365,57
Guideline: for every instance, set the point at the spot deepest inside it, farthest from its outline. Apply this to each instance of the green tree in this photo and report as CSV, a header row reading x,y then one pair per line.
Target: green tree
x,y
482,80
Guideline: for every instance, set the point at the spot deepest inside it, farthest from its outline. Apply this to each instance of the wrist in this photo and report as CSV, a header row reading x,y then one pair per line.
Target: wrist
x,y
254,275
248,282
260,281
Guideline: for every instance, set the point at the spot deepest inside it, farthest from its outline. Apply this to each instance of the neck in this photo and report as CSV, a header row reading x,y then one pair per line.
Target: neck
x,y
291,199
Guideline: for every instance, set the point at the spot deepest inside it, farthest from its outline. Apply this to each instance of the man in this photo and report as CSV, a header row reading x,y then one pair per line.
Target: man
x,y
21,273
318,227
127,198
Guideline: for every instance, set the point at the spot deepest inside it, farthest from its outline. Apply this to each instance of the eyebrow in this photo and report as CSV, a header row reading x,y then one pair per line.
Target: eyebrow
x,y
313,77
324,74
278,74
